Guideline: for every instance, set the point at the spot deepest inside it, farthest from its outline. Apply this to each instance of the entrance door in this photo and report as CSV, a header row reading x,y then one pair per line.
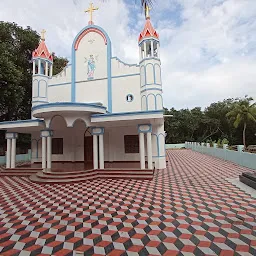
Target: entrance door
x,y
88,152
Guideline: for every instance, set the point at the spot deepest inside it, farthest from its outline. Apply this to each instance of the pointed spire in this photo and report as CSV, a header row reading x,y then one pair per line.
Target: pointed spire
x,y
42,50
148,31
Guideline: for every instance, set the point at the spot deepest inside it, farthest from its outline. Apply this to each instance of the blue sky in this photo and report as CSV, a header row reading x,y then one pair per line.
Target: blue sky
x,y
208,47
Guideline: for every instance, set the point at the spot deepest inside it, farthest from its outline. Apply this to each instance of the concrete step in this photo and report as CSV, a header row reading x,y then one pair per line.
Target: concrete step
x,y
249,180
37,179
60,173
44,175
66,177
24,169
17,172
47,175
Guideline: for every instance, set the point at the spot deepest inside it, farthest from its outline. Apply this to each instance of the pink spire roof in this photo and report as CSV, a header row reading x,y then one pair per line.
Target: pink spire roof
x,y
148,31
42,51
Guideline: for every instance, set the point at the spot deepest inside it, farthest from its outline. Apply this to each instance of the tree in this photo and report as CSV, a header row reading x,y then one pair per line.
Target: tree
x,y
16,47
242,113
58,64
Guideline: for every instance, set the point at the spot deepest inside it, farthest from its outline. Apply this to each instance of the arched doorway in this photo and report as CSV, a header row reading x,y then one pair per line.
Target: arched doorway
x,y
88,150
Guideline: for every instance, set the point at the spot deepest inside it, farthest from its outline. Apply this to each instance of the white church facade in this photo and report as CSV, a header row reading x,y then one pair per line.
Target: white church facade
x,y
98,111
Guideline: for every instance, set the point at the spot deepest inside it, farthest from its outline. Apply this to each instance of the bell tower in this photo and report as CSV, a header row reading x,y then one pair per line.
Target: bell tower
x,y
42,72
150,67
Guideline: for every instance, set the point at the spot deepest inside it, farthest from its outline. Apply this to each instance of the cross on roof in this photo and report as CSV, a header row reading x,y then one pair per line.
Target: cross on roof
x,y
43,34
147,11
90,10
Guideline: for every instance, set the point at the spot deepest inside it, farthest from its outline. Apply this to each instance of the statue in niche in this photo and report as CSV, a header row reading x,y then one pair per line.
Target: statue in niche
x,y
91,66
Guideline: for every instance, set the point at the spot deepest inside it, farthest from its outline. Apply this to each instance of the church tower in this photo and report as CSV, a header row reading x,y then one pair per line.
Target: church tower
x,y
150,67
42,72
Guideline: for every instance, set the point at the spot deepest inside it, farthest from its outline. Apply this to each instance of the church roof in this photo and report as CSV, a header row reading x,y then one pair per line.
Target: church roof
x,y
42,51
148,31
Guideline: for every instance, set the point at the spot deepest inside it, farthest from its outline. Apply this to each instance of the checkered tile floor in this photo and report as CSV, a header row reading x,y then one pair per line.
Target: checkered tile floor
x,y
188,209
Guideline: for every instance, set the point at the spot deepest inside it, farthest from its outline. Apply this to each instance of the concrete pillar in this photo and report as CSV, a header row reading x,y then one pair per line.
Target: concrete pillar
x,y
13,154
39,67
51,70
43,152
34,67
158,51
149,149
49,152
95,152
152,48
215,145
101,151
140,49
145,49
240,148
8,154
142,151
46,68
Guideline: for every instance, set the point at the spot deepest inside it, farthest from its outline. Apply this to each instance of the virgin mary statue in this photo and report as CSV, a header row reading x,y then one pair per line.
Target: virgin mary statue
x,y
91,67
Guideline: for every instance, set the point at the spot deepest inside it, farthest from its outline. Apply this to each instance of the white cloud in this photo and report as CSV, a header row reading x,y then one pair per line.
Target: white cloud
x,y
208,48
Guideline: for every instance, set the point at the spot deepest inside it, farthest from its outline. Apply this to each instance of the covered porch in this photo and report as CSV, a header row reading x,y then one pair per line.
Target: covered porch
x,y
73,142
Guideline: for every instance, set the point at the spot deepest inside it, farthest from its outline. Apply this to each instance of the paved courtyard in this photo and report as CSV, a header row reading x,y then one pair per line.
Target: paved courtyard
x,y
188,209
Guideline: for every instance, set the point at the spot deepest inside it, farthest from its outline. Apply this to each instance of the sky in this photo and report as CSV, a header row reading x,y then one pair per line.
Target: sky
x,y
208,47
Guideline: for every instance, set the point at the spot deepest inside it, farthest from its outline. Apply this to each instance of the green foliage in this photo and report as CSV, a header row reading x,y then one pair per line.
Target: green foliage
x,y
59,64
224,141
16,47
242,113
208,125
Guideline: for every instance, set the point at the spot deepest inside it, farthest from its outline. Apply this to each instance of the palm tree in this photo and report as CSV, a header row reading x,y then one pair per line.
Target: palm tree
x,y
143,3
242,113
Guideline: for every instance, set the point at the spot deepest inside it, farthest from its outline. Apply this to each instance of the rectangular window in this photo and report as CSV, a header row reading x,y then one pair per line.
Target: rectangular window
x,y
131,144
57,146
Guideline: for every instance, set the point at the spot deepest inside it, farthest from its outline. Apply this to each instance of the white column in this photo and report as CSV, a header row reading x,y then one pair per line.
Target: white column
x,y
43,152
152,49
46,68
149,148
101,146
142,151
39,67
158,51
49,152
13,154
8,154
50,70
95,152
145,49
34,67
240,148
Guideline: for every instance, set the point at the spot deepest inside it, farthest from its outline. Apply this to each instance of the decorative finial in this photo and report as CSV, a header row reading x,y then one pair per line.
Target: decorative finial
x,y
90,10
147,11
43,34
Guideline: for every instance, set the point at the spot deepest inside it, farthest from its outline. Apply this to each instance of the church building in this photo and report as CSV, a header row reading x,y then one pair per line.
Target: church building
x,y
98,112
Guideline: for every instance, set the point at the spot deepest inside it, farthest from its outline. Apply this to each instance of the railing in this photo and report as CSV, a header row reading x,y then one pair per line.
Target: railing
x,y
239,157
19,158
173,146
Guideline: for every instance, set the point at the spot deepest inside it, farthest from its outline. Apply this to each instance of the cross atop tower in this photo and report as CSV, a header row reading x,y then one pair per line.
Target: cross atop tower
x,y
43,34
147,11
90,10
